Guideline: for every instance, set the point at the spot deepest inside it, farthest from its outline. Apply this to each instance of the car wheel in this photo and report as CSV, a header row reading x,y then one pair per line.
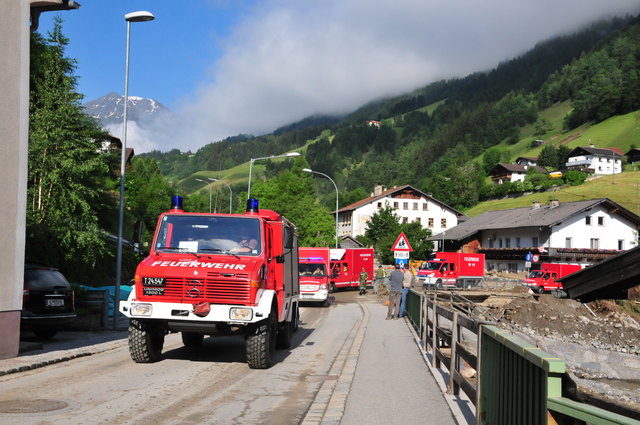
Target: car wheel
x,y
145,341
45,333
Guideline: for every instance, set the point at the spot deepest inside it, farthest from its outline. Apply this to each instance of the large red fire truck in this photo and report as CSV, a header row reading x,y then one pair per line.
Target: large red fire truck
x,y
216,274
346,265
452,269
314,274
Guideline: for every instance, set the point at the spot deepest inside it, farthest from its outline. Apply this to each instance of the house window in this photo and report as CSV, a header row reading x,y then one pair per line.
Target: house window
x,y
587,220
620,244
415,206
567,243
443,223
518,242
507,242
418,220
395,205
500,243
405,219
595,243
600,221
490,243
430,223
512,268
534,241
405,205
425,207
379,204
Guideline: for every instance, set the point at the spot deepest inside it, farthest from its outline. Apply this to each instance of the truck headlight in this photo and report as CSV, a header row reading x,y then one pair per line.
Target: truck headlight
x,y
141,309
240,313
323,287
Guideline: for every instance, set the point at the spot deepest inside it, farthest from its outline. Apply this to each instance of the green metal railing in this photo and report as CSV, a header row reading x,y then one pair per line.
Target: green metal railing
x,y
516,382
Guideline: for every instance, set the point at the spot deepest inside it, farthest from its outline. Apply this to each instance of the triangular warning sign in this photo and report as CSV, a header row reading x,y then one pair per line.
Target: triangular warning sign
x,y
402,244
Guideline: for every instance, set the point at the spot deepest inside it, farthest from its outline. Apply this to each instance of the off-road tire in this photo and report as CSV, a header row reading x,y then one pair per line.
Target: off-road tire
x,y
192,339
261,343
438,284
285,332
145,341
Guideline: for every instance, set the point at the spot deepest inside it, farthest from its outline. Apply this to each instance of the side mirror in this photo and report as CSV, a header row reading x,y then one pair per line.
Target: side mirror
x,y
280,259
288,236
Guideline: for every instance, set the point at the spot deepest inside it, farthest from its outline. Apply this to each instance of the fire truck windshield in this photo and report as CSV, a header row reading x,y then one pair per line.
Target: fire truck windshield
x,y
430,265
316,270
206,234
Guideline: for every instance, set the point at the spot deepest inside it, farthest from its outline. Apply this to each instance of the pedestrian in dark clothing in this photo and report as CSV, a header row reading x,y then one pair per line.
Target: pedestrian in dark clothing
x,y
395,292
362,282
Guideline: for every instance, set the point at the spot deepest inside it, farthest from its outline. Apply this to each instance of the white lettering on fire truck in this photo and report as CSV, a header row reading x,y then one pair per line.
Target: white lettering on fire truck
x,y
199,264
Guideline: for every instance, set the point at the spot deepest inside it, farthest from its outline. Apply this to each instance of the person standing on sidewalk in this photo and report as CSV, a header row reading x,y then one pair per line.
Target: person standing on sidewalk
x,y
378,279
362,283
395,292
407,280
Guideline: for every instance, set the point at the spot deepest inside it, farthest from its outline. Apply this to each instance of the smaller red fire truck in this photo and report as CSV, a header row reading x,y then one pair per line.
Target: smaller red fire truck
x,y
346,265
216,274
314,274
452,269
545,278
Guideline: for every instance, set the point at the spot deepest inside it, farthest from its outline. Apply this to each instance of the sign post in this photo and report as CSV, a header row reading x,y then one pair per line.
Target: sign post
x,y
401,249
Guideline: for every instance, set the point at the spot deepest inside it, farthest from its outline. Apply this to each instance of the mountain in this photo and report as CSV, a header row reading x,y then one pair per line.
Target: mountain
x,y
109,109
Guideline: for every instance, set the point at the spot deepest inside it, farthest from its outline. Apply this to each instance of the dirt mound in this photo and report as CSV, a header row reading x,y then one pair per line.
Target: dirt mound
x,y
601,325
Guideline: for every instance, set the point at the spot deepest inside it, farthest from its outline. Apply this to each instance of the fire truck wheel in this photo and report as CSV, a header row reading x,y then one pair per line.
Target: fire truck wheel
x,y
145,341
261,343
439,284
191,339
539,290
296,318
285,331
332,288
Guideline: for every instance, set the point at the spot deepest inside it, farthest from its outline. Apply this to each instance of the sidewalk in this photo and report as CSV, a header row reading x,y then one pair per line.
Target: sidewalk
x,y
382,378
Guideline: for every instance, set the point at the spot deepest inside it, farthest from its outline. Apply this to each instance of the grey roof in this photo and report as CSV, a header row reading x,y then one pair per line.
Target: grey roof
x,y
544,216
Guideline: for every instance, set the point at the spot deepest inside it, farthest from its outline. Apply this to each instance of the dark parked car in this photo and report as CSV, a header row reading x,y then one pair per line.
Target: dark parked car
x,y
48,301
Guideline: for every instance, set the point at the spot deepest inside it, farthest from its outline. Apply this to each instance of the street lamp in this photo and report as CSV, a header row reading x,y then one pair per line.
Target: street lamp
x,y
265,157
334,185
209,184
230,193
140,16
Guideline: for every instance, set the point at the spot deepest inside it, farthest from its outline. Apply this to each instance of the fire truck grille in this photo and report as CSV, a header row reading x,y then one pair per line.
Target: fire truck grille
x,y
214,288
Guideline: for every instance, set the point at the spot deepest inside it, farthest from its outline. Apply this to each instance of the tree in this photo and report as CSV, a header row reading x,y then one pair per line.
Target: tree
x,y
67,173
381,232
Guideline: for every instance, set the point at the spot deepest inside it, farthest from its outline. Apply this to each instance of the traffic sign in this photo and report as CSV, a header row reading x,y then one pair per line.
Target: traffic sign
x,y
535,258
528,257
401,254
401,244
400,262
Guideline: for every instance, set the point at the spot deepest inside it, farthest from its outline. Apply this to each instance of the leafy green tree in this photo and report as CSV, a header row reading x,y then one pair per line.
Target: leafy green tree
x,y
67,173
417,237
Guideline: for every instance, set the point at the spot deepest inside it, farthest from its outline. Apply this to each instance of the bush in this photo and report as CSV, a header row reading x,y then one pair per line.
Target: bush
x,y
574,178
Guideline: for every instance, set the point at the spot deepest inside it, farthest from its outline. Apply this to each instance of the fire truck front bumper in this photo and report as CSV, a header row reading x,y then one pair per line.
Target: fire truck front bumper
x,y
224,313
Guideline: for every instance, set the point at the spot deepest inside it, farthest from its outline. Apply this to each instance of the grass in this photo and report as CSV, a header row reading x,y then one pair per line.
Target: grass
x,y
623,189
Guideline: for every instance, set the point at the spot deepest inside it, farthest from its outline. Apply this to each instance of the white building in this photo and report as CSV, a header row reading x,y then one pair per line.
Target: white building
x,y
580,232
407,202
596,160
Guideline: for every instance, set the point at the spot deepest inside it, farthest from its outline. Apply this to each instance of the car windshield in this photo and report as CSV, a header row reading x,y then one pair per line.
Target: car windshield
x,y
535,274
43,279
209,235
317,270
430,265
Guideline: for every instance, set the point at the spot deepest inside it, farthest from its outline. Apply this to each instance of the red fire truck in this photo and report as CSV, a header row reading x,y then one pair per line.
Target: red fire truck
x,y
346,265
216,274
314,274
452,269
544,279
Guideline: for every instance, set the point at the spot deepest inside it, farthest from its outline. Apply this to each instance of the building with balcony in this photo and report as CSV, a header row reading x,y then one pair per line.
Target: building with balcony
x,y
599,161
582,232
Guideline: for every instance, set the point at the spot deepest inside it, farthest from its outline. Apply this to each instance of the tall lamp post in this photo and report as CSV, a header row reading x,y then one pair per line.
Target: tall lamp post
x,y
208,184
265,157
334,185
230,192
140,16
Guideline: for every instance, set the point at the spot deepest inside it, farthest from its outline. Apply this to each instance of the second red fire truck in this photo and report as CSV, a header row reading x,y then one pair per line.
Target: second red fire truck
x,y
346,266
314,274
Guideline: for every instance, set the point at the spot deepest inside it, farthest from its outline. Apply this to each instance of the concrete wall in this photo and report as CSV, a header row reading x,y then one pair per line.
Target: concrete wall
x,y
14,127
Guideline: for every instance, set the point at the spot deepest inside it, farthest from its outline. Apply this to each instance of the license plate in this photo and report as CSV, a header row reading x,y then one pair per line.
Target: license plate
x,y
54,302
306,295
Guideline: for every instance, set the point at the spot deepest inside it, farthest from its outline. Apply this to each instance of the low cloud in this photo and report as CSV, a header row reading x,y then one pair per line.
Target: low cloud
x,y
291,59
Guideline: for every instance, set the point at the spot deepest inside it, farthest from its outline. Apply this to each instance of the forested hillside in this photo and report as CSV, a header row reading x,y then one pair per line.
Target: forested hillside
x,y
436,137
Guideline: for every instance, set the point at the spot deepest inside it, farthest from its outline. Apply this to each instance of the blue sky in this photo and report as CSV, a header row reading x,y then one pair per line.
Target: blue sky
x,y
249,66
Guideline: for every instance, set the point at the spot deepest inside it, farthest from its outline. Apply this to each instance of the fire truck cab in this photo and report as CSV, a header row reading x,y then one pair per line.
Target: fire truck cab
x,y
216,274
314,275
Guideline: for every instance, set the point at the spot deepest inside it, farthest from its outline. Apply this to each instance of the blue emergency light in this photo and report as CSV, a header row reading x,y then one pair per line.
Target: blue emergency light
x,y
252,205
176,202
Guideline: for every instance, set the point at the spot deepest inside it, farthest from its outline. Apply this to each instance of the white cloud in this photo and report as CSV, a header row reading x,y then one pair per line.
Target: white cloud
x,y
290,59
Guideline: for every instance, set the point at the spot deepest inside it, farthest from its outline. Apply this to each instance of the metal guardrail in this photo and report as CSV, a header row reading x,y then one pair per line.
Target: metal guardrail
x,y
516,383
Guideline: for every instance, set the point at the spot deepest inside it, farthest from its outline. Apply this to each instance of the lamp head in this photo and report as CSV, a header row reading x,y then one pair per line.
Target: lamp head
x,y
139,16
307,170
293,154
